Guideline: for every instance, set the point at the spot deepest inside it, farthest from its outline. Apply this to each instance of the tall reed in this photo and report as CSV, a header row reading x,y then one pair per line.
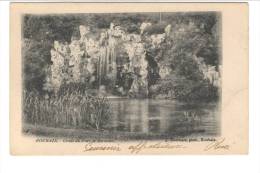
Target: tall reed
x,y
71,109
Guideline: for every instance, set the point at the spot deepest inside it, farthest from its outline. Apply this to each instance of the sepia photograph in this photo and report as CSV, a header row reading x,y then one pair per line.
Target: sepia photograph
x,y
122,76
129,76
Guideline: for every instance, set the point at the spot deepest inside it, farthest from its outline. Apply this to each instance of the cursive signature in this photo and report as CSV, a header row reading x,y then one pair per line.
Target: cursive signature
x,y
135,149
217,145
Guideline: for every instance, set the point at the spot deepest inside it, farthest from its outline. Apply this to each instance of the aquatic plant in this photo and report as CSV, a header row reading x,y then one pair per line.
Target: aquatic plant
x,y
71,110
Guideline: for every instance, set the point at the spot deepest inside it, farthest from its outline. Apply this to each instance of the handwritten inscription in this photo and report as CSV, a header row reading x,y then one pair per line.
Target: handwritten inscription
x,y
135,149
90,147
217,145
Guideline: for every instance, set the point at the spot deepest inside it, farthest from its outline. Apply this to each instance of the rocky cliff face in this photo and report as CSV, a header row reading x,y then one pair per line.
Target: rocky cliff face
x,y
96,61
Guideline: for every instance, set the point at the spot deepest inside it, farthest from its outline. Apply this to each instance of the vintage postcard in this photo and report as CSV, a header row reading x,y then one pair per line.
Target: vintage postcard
x,y
129,78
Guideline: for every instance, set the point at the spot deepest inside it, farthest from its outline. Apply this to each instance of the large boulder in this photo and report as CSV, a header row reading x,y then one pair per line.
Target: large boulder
x,y
143,26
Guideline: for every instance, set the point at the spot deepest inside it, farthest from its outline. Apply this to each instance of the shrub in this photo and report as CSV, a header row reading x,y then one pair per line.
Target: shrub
x,y
180,88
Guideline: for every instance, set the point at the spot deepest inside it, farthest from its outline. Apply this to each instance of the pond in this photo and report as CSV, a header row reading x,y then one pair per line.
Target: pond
x,y
167,118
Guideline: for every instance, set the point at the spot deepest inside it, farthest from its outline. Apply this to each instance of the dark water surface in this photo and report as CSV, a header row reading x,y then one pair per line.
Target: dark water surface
x,y
164,117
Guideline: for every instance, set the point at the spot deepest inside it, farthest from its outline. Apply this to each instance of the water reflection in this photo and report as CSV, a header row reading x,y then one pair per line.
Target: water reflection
x,y
164,117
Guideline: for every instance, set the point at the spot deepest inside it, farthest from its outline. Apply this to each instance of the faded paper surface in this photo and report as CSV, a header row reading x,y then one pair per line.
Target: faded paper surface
x,y
233,137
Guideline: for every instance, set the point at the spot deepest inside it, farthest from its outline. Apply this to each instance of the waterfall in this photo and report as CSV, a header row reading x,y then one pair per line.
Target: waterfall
x,y
99,71
106,64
